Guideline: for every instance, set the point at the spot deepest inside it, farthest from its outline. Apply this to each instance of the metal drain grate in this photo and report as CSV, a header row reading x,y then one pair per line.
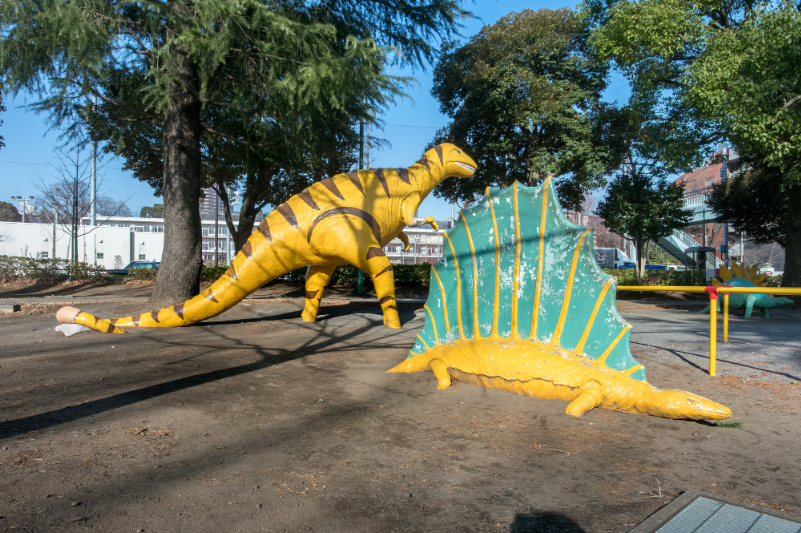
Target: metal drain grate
x,y
695,512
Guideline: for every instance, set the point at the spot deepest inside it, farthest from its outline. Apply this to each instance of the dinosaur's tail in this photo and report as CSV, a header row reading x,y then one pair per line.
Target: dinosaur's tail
x,y
260,260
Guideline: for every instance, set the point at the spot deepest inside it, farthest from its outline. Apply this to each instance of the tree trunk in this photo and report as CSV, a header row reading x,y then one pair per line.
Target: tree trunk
x,y
639,242
178,277
792,261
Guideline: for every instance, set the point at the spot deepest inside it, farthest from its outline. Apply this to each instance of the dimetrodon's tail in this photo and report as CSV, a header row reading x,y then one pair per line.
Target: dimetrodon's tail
x,y
262,259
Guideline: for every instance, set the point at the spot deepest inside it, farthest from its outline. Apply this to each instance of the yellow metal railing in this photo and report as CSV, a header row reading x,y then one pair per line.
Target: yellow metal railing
x,y
713,292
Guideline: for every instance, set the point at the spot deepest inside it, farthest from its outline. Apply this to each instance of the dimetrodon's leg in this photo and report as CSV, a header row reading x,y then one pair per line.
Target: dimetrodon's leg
x,y
260,260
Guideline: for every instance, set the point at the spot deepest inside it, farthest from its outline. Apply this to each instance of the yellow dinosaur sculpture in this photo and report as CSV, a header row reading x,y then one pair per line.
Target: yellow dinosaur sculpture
x,y
347,218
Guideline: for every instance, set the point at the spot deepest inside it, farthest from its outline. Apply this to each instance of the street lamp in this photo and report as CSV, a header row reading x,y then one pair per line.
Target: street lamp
x,y
370,112
23,204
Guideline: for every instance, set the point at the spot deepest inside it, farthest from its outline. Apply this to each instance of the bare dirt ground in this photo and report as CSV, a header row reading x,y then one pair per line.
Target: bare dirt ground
x,y
256,421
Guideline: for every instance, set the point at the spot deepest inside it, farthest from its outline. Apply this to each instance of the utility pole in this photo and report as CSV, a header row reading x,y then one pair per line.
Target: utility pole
x,y
216,228
75,210
55,223
359,273
94,178
724,171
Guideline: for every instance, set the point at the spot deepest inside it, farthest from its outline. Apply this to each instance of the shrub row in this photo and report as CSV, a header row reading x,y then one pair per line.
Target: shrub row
x,y
628,276
13,268
346,274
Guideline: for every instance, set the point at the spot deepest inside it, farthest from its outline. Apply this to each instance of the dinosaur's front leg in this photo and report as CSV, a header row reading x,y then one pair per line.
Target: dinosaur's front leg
x,y
317,277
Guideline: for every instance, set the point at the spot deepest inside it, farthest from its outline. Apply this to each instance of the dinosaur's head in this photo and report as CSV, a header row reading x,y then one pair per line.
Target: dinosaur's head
x,y
450,160
680,404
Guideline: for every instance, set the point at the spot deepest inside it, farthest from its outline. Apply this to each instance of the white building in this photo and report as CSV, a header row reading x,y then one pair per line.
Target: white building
x,y
117,241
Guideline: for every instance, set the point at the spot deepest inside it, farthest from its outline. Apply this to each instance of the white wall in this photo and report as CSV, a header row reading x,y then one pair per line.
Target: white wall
x,y
32,240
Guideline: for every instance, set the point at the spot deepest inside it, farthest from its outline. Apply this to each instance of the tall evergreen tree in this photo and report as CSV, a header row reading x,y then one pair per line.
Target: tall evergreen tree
x,y
177,63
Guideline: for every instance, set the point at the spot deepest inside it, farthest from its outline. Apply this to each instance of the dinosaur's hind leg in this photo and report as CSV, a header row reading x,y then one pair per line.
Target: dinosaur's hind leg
x,y
317,277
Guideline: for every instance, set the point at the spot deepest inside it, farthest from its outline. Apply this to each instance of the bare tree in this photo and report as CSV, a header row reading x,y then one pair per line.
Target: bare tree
x,y
67,199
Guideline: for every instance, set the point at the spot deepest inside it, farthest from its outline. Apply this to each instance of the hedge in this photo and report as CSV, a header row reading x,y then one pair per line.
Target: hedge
x,y
343,275
628,276
346,274
13,268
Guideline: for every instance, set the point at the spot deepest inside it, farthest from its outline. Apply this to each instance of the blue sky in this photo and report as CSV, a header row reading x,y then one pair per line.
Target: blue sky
x,y
29,154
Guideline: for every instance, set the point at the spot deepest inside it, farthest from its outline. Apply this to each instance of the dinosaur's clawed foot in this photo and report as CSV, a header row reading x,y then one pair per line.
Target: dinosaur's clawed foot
x,y
440,370
587,401
309,315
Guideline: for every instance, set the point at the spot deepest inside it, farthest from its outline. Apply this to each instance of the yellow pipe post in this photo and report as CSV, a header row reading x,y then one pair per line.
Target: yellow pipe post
x,y
725,318
713,335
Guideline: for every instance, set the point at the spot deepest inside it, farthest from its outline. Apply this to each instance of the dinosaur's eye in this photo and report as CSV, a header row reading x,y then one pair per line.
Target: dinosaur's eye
x,y
458,151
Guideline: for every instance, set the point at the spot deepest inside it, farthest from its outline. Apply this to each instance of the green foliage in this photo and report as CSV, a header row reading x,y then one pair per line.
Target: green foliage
x,y
212,273
754,201
647,210
773,281
2,110
156,211
677,278
524,100
733,66
14,268
9,213
735,425
747,81
141,275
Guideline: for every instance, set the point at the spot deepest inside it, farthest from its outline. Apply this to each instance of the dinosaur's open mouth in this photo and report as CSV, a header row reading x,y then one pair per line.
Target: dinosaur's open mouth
x,y
468,167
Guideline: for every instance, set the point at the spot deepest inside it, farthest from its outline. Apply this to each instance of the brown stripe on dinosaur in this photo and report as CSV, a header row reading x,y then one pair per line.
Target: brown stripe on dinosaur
x,y
375,252
155,316
210,296
110,328
311,295
264,229
388,269
329,184
306,196
392,307
231,273
386,299
403,173
247,249
113,321
179,310
364,215
382,179
438,149
136,319
285,211
424,161
354,177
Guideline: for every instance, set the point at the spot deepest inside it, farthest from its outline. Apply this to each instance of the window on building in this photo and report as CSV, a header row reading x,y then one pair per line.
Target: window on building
x,y
100,255
141,257
139,228
44,255
222,230
207,232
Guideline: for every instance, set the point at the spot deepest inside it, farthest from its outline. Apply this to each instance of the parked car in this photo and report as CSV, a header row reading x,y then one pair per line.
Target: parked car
x,y
130,266
656,267
768,269
679,268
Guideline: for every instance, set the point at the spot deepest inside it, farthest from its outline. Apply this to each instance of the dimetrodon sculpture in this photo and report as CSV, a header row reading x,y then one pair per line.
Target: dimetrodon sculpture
x,y
518,303
347,218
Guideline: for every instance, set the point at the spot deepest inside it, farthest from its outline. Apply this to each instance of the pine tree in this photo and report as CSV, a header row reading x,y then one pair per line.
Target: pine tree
x,y
174,65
